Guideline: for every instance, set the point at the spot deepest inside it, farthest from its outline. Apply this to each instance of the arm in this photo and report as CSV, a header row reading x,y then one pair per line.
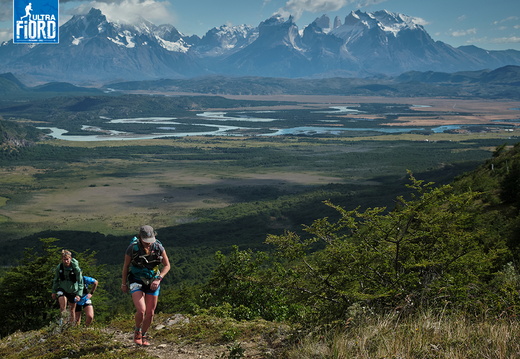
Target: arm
x,y
94,286
165,269
166,264
124,275
80,284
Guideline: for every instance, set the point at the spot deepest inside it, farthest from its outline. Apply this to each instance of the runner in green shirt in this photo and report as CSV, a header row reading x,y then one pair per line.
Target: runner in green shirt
x,y
67,285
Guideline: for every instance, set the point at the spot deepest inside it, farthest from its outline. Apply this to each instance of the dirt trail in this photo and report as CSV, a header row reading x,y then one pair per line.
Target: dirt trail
x,y
165,350
255,348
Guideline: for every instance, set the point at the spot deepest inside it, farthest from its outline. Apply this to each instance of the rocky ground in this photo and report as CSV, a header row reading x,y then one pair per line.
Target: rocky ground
x,y
168,350
258,345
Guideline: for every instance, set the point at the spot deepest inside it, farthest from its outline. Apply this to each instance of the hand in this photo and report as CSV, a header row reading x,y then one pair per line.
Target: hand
x,y
155,284
77,299
124,288
89,296
53,295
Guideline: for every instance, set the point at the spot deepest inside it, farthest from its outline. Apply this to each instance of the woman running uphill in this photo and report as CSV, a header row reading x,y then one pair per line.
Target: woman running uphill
x,y
141,268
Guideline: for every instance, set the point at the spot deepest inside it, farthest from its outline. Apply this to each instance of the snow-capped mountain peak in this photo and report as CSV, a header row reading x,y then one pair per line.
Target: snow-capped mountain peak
x,y
94,48
83,28
226,39
391,23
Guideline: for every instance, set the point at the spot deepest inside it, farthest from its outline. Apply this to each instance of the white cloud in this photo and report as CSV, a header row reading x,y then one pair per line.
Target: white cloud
x,y
129,11
363,3
459,33
420,21
496,40
297,7
506,40
6,35
507,19
6,11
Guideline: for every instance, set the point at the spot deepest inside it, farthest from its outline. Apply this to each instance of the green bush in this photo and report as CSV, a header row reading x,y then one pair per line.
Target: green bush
x,y
432,251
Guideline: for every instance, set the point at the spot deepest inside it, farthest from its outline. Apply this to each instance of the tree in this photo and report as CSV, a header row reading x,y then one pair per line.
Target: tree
x,y
26,288
431,250
240,287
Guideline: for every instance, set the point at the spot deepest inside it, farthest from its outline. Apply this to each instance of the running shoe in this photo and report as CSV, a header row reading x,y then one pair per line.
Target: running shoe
x,y
145,341
138,338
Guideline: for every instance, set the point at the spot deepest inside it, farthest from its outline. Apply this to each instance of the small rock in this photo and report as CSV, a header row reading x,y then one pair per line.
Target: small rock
x,y
177,318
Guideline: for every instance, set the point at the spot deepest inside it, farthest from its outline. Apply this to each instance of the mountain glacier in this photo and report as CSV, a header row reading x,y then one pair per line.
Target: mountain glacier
x,y
93,49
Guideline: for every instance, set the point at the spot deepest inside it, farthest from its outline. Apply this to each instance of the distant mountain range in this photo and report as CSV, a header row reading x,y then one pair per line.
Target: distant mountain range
x,y
94,50
501,83
11,87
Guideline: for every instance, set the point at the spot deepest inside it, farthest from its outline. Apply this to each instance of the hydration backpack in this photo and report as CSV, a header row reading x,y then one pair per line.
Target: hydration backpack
x,y
142,260
72,273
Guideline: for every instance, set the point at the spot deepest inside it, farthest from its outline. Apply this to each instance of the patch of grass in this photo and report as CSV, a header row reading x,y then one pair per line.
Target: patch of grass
x,y
422,336
211,330
18,175
49,343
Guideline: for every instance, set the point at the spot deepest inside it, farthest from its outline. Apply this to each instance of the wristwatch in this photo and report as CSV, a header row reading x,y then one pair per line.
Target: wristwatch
x,y
159,277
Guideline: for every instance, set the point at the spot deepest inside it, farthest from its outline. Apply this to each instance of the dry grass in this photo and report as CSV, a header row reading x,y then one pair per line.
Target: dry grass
x,y
90,198
426,336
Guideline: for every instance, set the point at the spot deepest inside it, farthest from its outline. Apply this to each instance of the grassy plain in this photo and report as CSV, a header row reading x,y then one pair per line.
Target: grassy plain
x,y
93,199
113,196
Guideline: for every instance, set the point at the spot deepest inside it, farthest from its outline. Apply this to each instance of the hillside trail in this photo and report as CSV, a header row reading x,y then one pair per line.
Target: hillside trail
x,y
166,349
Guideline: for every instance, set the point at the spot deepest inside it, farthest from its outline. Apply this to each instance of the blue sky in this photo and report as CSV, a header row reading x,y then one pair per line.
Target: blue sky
x,y
492,25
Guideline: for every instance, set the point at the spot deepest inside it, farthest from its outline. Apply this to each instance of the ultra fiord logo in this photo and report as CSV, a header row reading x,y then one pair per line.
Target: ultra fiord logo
x,y
35,21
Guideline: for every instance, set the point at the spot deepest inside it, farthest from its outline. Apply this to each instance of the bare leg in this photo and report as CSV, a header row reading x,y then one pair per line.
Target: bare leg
x,y
89,314
78,318
62,301
140,307
72,308
151,304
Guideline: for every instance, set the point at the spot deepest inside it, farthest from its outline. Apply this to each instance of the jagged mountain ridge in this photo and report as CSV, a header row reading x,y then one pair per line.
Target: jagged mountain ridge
x,y
94,49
